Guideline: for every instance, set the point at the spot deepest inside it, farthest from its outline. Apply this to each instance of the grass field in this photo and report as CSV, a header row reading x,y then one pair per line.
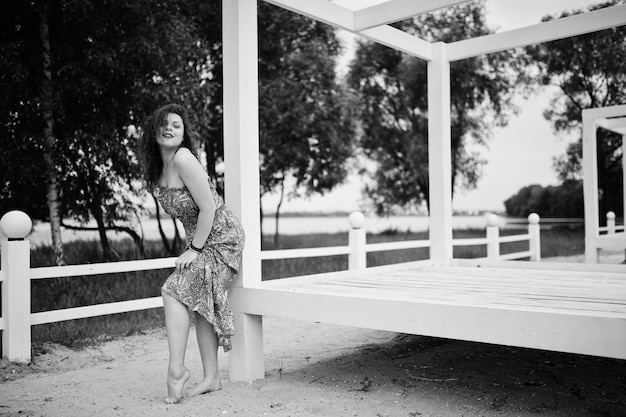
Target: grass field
x,y
60,293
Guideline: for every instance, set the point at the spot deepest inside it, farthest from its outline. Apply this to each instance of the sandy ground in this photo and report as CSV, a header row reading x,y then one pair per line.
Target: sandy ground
x,y
321,370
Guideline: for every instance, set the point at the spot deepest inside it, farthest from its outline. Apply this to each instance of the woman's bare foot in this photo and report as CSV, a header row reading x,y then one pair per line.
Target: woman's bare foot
x,y
206,385
175,386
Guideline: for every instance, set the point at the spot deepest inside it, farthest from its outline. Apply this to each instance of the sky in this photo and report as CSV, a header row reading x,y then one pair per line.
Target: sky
x,y
519,154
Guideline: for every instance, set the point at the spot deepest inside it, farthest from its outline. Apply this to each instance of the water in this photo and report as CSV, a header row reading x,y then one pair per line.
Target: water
x,y
287,226
325,224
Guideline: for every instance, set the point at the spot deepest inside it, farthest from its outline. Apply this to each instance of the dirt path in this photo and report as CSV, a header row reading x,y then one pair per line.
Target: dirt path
x,y
321,370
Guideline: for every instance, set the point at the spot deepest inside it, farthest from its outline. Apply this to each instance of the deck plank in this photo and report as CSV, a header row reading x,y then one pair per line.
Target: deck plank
x,y
527,305
585,292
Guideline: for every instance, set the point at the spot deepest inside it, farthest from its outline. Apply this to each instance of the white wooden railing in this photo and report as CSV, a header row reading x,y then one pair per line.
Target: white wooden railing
x,y
16,273
598,238
357,248
611,228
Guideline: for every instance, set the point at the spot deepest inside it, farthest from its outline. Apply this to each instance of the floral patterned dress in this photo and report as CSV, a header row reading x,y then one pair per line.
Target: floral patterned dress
x,y
203,286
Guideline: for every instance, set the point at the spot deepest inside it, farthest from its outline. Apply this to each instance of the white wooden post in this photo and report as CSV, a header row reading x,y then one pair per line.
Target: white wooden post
x,y
356,241
590,186
241,156
534,233
16,336
624,185
439,155
610,223
624,182
493,237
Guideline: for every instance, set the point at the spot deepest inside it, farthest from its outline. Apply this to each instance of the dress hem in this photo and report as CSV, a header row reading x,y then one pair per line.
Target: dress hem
x,y
223,340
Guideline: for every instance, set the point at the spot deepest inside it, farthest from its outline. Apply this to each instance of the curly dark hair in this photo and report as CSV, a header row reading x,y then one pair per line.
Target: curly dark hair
x,y
150,157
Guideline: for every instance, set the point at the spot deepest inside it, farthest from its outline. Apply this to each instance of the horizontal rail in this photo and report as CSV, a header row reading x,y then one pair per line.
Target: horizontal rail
x,y
403,244
95,310
470,241
515,255
514,238
378,247
616,228
304,252
101,268
341,250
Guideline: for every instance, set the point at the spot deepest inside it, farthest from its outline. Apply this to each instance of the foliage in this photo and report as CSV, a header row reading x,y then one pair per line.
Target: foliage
x,y
565,201
111,62
22,159
590,71
306,124
393,91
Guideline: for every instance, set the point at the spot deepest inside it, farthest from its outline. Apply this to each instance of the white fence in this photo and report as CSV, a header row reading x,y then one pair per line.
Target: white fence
x,y
16,273
611,228
357,248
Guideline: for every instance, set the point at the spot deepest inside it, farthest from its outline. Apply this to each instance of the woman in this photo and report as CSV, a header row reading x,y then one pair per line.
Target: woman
x,y
210,262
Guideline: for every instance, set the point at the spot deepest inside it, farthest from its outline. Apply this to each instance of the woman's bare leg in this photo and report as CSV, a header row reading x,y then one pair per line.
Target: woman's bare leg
x,y
207,343
177,325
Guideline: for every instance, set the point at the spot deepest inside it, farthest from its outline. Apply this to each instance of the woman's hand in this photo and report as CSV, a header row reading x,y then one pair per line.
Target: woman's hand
x,y
185,259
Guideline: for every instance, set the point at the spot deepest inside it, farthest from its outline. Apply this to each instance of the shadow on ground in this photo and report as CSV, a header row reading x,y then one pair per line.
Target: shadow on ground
x,y
476,378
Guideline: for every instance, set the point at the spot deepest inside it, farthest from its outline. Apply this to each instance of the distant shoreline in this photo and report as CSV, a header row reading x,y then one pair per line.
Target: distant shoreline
x,y
347,213
295,223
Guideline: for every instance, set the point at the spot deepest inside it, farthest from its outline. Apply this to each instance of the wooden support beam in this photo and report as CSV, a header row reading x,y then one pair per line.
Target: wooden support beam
x,y
624,180
399,40
439,156
241,157
591,119
590,186
616,124
396,10
543,32
342,18
529,328
321,10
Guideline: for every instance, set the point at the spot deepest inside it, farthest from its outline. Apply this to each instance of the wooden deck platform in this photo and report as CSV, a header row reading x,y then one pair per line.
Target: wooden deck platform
x,y
612,241
577,308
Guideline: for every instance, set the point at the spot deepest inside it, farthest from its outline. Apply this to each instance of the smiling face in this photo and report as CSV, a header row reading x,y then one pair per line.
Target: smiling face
x,y
170,135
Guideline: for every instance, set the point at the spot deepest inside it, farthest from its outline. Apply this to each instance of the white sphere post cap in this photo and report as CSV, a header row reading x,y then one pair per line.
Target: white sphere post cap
x,y
610,215
16,225
356,220
533,218
492,219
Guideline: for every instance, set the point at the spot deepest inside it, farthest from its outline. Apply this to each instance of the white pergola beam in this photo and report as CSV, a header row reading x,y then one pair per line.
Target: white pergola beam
x,y
342,18
565,27
321,10
241,155
399,40
439,156
590,186
590,118
396,10
241,127
617,124
606,112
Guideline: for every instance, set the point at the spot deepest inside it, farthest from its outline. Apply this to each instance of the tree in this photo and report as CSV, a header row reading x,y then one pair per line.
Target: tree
x,y
393,91
307,126
589,71
565,200
27,85
49,141
112,62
